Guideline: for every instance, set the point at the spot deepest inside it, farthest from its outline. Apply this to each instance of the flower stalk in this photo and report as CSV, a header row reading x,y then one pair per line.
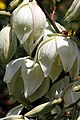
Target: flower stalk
x,y
48,16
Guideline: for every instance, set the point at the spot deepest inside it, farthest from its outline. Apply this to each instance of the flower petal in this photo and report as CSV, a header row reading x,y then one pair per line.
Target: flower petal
x,y
11,69
66,95
67,50
74,71
41,91
46,55
55,90
56,69
22,22
15,86
39,22
32,77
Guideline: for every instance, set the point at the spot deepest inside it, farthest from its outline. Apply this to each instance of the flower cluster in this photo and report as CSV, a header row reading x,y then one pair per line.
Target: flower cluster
x,y
31,76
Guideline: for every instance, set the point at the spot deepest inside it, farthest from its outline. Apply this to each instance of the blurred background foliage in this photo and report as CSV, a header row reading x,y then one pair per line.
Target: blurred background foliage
x,y
61,8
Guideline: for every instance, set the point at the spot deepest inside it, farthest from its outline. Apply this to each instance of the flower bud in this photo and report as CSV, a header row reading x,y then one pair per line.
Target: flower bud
x,y
8,44
74,11
28,21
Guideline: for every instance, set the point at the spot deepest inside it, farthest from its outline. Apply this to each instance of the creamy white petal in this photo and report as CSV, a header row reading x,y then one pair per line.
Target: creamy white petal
x,y
41,91
12,67
22,22
56,68
39,21
32,77
8,44
78,117
46,55
74,71
67,50
5,42
16,86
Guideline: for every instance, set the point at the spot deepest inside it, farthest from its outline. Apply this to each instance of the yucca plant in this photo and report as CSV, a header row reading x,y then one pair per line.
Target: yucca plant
x,y
45,80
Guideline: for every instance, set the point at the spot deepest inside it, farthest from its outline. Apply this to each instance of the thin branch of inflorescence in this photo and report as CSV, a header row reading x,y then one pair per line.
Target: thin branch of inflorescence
x,y
48,16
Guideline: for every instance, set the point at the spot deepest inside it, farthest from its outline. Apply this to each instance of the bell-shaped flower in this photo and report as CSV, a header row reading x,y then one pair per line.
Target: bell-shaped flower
x,y
23,77
8,44
28,21
58,53
74,11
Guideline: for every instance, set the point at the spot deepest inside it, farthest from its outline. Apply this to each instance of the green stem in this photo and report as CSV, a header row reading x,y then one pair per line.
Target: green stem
x,y
48,16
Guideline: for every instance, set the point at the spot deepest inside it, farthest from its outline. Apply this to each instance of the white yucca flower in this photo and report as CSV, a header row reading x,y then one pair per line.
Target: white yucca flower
x,y
24,77
28,21
58,53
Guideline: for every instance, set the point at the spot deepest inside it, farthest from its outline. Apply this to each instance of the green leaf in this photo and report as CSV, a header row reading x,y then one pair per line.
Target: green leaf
x,y
78,116
74,114
52,3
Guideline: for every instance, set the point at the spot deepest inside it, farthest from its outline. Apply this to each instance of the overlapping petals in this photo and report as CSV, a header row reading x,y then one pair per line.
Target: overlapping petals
x,y
28,24
23,77
56,54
